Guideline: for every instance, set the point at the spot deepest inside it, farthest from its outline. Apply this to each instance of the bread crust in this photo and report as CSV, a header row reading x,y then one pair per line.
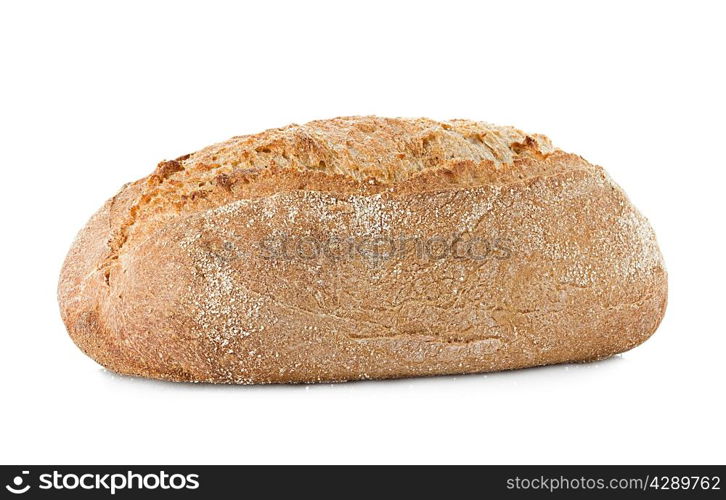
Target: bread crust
x,y
180,276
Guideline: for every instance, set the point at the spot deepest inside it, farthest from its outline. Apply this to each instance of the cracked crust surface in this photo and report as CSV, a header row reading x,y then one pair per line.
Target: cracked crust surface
x,y
182,276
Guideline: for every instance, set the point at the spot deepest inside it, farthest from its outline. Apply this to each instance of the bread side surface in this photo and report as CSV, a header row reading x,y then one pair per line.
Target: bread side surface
x,y
487,250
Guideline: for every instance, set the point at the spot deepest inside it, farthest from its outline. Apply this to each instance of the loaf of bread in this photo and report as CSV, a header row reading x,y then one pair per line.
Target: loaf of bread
x,y
363,248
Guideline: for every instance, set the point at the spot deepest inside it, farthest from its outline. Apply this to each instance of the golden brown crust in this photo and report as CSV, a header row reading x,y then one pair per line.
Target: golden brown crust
x,y
174,277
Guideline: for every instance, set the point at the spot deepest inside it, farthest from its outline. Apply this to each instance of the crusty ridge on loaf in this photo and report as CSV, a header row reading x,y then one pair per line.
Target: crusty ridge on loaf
x,y
387,150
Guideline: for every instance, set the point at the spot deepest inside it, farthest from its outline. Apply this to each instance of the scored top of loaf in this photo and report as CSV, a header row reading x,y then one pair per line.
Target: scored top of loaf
x,y
387,150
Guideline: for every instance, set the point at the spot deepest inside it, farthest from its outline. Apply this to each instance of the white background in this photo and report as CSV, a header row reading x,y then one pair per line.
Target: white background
x,y
94,94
